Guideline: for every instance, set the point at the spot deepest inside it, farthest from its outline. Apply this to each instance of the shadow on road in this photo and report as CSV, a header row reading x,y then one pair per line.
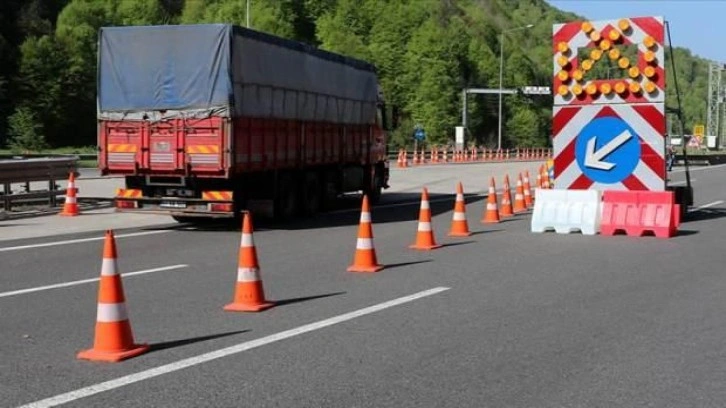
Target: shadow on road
x,y
402,264
183,342
284,302
395,207
705,214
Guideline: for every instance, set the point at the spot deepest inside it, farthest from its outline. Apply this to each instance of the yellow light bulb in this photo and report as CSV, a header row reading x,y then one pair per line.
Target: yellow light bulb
x,y
563,47
605,88
649,71
605,45
586,26
649,41
634,87
587,65
563,75
634,72
649,56
624,62
624,25
595,54
595,36
591,89
614,35
614,54
563,61
620,87
577,89
577,75
650,87
563,90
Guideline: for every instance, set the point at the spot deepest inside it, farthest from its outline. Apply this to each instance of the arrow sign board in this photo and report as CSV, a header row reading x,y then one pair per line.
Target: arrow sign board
x,y
419,134
617,147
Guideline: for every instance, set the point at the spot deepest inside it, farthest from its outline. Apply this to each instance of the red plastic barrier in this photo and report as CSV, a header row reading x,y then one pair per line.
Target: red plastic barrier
x,y
637,212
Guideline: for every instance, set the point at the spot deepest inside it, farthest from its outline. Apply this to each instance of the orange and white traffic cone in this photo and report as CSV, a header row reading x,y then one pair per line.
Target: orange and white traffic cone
x,y
425,239
528,201
365,259
249,294
459,225
545,177
506,208
70,206
539,179
114,340
519,205
491,214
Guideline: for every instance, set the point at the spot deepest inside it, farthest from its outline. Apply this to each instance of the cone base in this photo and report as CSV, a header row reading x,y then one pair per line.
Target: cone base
x,y
67,214
246,307
425,248
519,211
363,268
112,356
485,221
459,234
503,215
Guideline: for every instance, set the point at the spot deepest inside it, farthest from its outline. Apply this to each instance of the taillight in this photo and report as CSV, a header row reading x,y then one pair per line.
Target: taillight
x,y
221,207
125,204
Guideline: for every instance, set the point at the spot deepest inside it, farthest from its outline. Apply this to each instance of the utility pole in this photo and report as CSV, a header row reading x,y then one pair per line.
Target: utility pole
x,y
247,14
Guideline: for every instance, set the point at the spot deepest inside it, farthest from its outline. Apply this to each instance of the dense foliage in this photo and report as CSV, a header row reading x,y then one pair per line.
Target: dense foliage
x,y
426,52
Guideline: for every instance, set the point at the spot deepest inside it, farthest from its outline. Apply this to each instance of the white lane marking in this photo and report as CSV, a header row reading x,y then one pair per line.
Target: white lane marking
x,y
225,352
81,282
706,206
76,241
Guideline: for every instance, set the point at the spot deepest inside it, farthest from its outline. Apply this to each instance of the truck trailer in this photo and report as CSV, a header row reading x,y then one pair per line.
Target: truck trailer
x,y
212,119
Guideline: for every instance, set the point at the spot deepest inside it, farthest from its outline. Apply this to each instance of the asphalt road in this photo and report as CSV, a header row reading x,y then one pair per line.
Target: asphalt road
x,y
503,318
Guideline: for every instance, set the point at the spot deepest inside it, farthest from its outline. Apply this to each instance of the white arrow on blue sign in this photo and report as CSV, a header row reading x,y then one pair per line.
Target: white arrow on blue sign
x,y
607,150
419,135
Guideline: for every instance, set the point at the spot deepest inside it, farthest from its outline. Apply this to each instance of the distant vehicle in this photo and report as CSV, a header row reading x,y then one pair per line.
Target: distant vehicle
x,y
207,120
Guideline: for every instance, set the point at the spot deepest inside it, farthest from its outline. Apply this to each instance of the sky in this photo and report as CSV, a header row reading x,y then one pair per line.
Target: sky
x,y
699,25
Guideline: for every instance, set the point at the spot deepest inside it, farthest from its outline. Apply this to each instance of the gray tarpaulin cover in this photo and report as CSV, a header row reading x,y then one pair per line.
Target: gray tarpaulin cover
x,y
160,72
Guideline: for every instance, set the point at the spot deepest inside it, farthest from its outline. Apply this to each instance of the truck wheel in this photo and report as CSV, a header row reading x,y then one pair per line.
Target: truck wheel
x,y
374,194
286,202
311,194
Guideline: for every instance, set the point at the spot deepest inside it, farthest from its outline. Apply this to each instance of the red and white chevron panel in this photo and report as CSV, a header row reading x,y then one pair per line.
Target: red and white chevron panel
x,y
648,86
647,120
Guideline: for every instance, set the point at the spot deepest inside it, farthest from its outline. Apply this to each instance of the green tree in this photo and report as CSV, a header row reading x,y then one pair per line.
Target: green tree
x,y
26,132
523,128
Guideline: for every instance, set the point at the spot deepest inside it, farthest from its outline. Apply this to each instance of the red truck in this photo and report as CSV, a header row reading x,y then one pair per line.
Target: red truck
x,y
207,120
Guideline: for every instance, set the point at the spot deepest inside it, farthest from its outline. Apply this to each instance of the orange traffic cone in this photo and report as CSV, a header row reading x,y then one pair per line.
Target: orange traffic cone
x,y
539,179
491,215
528,201
425,239
506,209
459,225
519,205
114,340
70,206
249,295
365,259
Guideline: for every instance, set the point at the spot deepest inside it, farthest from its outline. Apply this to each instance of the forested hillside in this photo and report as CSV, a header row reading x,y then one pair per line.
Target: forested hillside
x,y
426,51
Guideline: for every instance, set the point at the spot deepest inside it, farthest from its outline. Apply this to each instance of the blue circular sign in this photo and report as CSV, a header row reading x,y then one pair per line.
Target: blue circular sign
x,y
607,150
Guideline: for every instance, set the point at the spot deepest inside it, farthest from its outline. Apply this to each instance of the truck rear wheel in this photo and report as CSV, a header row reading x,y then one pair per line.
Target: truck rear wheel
x,y
286,200
312,194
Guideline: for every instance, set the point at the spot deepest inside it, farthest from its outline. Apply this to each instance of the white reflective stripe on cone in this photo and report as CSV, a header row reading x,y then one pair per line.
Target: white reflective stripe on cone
x,y
518,196
491,190
459,216
424,226
109,267
248,274
364,243
459,197
365,217
247,240
425,205
70,200
491,206
71,185
111,312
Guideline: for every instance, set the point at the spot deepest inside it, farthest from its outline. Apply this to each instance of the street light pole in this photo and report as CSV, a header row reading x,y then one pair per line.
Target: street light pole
x,y
501,75
247,14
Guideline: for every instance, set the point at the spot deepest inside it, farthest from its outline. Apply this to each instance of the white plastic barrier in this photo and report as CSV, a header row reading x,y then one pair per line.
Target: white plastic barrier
x,y
566,211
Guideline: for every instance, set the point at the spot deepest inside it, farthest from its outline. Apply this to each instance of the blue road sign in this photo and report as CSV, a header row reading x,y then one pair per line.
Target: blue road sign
x,y
419,134
607,150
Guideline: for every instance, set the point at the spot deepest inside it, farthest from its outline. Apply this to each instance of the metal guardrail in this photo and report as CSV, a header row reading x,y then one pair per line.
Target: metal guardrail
x,y
21,172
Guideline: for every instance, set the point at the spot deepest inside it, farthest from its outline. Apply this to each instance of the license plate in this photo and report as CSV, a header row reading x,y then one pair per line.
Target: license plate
x,y
173,204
